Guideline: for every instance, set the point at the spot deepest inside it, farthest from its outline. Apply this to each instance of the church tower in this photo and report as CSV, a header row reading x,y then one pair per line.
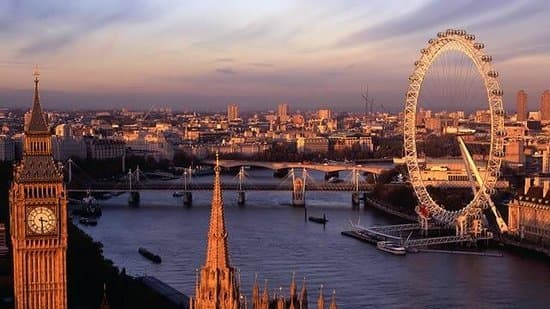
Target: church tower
x,y
38,218
217,287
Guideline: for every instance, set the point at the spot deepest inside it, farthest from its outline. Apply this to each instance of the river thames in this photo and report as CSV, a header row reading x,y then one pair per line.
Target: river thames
x,y
272,239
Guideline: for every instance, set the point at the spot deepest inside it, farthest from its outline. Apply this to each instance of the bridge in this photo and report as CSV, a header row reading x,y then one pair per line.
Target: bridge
x,y
368,167
116,187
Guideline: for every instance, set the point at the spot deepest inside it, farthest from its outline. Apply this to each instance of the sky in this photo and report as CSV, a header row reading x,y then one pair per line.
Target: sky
x,y
203,55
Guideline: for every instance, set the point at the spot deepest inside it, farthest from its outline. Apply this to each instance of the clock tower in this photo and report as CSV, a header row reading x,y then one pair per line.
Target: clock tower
x,y
38,219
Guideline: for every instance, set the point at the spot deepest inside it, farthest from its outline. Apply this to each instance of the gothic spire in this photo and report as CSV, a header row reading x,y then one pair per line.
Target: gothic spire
x,y
104,302
293,286
216,254
265,296
256,292
37,123
303,295
321,300
333,301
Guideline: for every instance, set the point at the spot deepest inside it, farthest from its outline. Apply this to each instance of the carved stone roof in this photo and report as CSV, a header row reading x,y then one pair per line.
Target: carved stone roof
x,y
38,169
37,123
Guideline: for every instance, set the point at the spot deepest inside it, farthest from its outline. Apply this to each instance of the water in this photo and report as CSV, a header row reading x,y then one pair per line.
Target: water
x,y
273,240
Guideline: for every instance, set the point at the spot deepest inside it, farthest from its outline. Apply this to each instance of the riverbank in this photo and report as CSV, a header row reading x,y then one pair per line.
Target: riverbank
x,y
88,272
506,242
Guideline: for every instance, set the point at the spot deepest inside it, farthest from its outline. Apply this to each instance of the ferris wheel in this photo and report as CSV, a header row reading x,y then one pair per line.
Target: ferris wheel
x,y
484,182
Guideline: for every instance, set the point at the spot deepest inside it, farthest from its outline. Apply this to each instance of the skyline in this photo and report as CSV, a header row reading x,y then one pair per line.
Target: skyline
x,y
200,56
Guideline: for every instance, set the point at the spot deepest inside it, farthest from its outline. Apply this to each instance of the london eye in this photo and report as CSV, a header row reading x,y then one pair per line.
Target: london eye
x,y
483,181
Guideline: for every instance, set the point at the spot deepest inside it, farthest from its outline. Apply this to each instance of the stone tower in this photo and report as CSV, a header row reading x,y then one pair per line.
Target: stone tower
x,y
217,286
38,217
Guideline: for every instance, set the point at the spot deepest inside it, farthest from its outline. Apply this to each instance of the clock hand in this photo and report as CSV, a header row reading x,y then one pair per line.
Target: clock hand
x,y
42,220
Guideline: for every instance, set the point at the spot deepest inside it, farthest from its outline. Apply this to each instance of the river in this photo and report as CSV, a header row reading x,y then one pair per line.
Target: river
x,y
273,240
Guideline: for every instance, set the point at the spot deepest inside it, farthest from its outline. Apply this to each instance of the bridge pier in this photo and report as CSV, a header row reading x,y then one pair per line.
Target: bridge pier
x,y
134,198
298,190
355,199
187,198
241,197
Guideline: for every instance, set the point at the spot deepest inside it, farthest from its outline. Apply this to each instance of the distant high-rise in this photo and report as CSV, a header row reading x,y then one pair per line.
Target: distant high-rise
x,y
324,114
232,112
521,107
282,112
545,106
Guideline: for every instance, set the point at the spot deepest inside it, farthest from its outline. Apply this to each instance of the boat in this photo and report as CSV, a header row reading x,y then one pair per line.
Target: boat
x,y
178,194
391,247
321,220
149,255
88,221
90,208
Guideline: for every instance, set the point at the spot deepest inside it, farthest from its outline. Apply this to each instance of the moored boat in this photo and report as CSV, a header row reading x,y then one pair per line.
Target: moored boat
x,y
321,220
88,221
391,247
149,255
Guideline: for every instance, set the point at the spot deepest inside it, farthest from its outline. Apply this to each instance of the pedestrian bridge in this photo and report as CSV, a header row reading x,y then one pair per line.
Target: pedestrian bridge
x,y
369,167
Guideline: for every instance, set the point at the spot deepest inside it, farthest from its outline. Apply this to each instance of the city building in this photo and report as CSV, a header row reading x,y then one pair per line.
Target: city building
x,y
218,284
232,112
103,149
546,160
545,106
282,112
65,147
38,220
7,148
312,144
521,106
325,114
529,213
514,153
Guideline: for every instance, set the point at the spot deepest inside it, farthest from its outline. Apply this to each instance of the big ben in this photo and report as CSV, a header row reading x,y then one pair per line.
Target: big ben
x,y
38,219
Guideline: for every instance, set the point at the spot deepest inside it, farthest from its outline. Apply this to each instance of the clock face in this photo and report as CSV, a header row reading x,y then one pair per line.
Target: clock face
x,y
42,220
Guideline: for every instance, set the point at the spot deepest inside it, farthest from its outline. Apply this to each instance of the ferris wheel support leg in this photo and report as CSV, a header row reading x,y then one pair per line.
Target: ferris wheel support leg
x,y
471,167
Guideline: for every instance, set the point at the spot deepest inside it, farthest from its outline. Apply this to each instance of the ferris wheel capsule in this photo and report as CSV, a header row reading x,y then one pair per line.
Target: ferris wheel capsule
x,y
501,133
499,154
431,41
493,74
497,92
470,37
424,51
486,58
441,34
479,45
499,112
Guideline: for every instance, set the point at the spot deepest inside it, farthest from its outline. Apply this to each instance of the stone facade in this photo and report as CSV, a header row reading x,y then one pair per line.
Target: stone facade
x,y
38,220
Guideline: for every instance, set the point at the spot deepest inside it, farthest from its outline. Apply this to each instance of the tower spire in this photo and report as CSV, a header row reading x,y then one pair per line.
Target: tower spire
x,y
333,301
321,299
216,255
218,284
37,123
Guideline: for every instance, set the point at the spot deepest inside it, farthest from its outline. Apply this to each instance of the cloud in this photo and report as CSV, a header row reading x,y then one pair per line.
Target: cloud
x,y
226,71
261,64
432,15
224,60
68,23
